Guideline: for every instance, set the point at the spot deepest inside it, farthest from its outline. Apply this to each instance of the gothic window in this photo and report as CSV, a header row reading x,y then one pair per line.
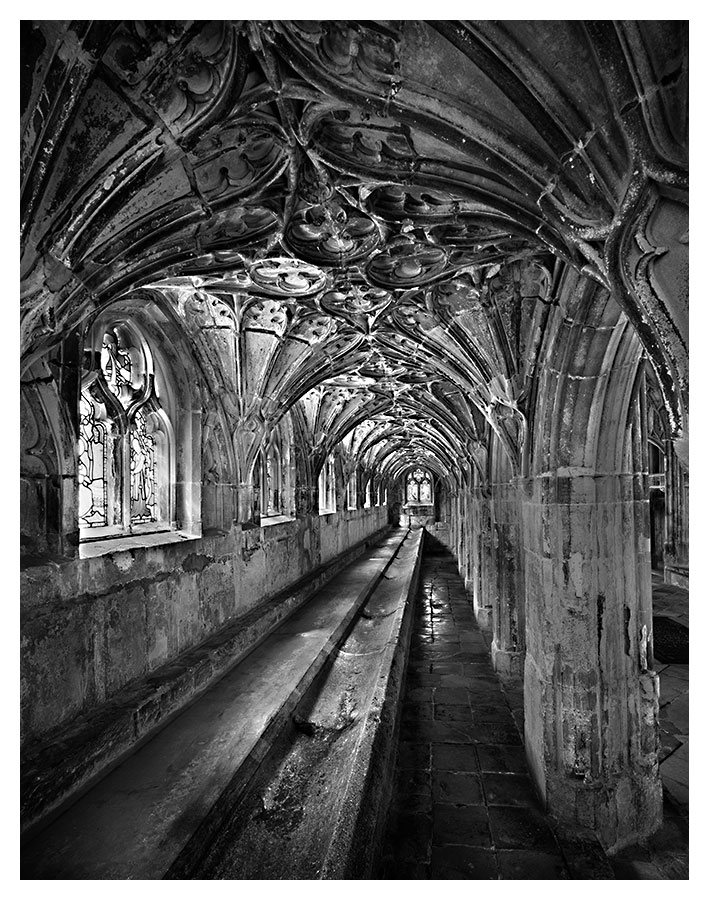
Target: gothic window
x,y
276,477
656,465
125,480
352,491
368,495
418,487
271,482
93,474
656,459
326,487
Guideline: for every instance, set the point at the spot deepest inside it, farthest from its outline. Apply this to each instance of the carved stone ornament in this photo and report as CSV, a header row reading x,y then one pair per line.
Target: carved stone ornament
x,y
458,294
237,228
395,203
185,90
369,147
238,160
407,263
351,51
359,304
332,233
287,277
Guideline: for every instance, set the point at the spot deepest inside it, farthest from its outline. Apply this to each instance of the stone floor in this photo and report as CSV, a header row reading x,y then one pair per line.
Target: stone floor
x,y
464,806
673,602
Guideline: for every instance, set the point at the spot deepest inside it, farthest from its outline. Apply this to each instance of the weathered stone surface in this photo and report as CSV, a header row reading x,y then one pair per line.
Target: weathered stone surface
x,y
345,250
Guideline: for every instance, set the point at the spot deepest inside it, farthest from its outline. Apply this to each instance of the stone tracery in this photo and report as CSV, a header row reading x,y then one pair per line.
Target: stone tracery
x,y
377,238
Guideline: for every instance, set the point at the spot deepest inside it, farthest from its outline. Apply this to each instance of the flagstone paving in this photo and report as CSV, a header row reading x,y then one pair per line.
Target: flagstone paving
x,y
464,805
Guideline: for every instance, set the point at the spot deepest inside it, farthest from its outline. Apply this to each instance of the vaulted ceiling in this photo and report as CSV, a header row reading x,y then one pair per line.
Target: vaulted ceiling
x,y
377,211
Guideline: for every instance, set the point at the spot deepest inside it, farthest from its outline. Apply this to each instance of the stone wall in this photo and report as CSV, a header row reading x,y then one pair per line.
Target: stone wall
x,y
92,626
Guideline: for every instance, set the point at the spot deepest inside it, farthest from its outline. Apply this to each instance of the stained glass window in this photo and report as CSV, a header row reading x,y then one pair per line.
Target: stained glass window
x,y
418,487
143,475
123,451
92,465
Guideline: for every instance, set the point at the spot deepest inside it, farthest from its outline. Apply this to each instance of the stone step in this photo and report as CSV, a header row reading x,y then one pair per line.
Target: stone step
x,y
135,822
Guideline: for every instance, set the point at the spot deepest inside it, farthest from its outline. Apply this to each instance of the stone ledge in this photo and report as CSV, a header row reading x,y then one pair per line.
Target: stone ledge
x,y
63,764
105,546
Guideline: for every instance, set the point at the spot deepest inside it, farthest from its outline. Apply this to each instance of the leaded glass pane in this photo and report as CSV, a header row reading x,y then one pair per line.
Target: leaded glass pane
x,y
270,486
93,511
418,487
122,366
143,475
425,491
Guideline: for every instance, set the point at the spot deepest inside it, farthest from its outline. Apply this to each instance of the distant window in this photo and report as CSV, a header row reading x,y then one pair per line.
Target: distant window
x,y
418,487
124,452
326,487
352,491
656,459
276,476
271,481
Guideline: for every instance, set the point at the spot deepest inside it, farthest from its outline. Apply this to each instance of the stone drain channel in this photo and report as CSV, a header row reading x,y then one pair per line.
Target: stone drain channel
x,y
320,795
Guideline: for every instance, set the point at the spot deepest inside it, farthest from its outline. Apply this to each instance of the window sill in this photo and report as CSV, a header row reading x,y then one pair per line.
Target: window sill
x,y
92,549
275,520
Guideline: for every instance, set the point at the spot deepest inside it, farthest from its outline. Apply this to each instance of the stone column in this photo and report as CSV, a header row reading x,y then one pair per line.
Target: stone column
x,y
591,697
508,589
459,534
485,547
